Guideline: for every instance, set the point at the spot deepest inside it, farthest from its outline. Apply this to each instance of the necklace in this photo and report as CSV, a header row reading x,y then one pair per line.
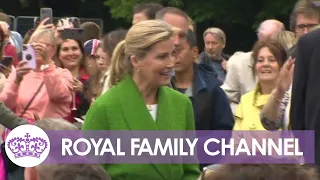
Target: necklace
x,y
253,126
149,107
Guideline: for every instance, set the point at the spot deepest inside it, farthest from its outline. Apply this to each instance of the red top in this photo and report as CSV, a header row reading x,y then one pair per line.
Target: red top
x,y
10,50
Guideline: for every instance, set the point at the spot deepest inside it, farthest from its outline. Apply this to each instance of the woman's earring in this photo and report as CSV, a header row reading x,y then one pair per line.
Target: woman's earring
x,y
138,70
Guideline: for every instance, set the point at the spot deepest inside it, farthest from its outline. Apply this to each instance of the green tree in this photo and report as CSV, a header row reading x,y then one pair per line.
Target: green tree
x,y
238,18
246,12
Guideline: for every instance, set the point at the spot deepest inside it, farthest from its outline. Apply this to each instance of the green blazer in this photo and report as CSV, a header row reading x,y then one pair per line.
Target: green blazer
x,y
122,108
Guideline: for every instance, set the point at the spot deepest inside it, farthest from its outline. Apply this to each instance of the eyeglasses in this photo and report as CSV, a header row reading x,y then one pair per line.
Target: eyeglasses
x,y
301,27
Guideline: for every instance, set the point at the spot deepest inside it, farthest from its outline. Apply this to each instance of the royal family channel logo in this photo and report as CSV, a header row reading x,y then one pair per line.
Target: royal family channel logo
x,y
27,146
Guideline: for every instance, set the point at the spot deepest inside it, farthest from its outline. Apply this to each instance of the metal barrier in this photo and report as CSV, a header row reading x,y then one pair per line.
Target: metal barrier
x,y
23,24
12,20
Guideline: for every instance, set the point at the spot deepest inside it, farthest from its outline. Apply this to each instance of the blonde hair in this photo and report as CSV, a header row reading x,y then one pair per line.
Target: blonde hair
x,y
218,32
139,39
287,39
38,34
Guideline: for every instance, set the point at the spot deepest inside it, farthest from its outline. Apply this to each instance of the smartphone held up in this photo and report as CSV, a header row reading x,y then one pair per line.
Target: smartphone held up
x,y
29,55
46,13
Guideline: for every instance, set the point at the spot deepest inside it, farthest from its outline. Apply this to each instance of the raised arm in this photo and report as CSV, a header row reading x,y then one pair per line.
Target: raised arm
x,y
272,113
58,83
10,92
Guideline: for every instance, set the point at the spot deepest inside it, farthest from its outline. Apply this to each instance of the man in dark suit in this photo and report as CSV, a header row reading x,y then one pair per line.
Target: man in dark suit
x,y
305,99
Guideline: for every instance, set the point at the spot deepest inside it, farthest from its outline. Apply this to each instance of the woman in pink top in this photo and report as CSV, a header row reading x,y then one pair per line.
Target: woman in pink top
x,y
55,95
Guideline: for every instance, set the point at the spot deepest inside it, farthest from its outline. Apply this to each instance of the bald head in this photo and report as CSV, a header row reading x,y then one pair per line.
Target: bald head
x,y
270,29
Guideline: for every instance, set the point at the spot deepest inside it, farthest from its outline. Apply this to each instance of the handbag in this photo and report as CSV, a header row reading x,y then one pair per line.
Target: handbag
x,y
8,164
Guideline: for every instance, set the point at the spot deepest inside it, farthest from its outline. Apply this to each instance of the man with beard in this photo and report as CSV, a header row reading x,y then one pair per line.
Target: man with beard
x,y
215,42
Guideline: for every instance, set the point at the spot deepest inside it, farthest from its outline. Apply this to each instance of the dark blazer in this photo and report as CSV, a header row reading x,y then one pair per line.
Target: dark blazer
x,y
211,106
210,103
122,108
305,98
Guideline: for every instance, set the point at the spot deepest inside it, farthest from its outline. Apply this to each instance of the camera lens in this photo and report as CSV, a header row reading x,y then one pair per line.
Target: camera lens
x,y
28,57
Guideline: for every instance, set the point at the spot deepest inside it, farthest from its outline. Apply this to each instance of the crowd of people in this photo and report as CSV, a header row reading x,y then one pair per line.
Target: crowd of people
x,y
153,77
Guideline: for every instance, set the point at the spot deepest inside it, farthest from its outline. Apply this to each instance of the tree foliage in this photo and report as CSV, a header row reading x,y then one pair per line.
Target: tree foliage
x,y
245,12
237,18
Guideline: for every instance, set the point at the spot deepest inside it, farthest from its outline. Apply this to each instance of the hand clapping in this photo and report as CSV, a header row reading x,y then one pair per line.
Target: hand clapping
x,y
286,75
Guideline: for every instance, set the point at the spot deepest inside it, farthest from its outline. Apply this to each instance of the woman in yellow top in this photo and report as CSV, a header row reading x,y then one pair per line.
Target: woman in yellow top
x,y
268,57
